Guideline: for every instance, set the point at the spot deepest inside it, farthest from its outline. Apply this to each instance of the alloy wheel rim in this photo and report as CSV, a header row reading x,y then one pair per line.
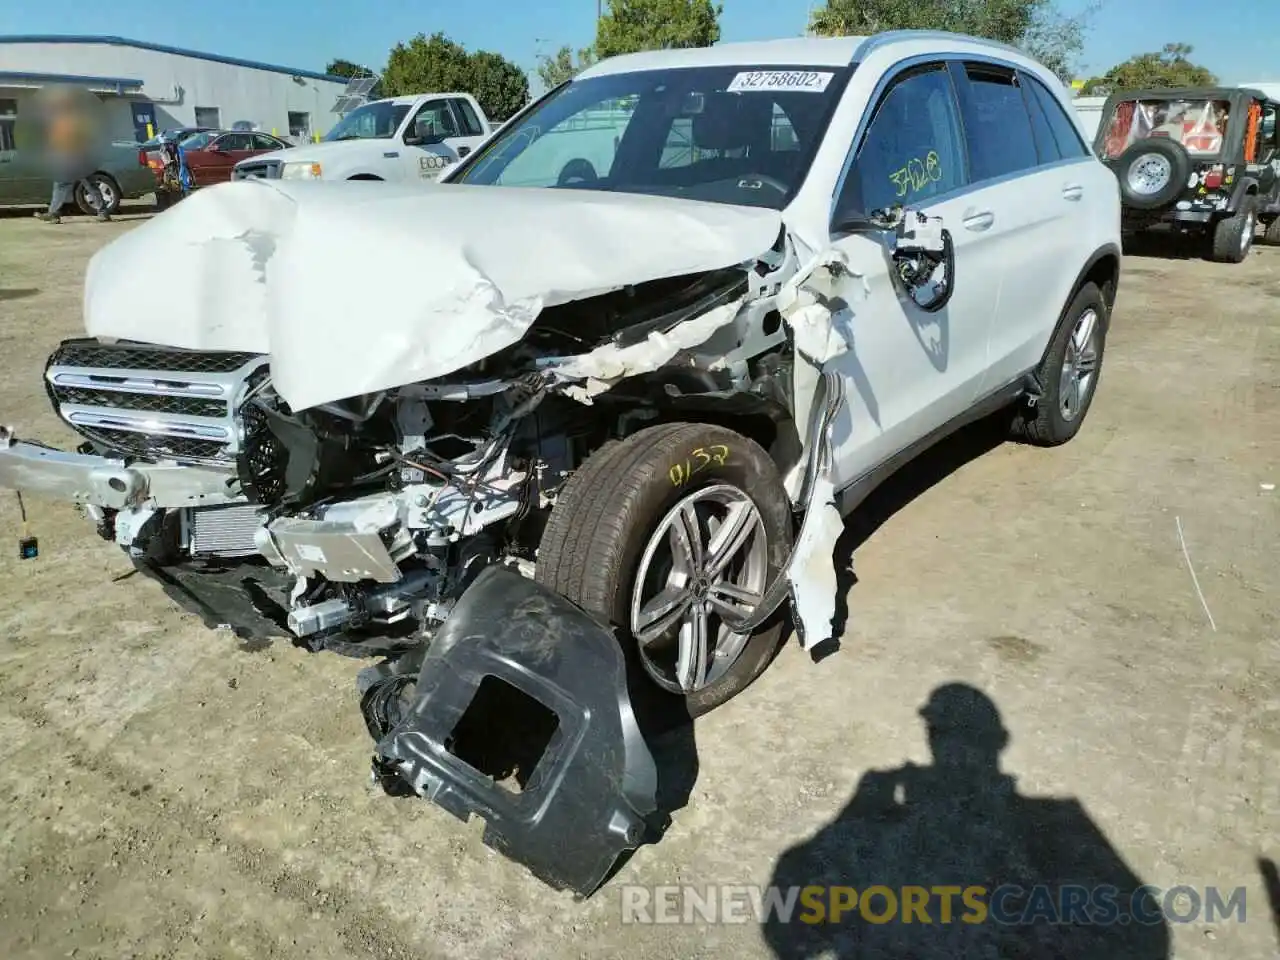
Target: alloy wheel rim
x,y
706,558
1149,174
1079,366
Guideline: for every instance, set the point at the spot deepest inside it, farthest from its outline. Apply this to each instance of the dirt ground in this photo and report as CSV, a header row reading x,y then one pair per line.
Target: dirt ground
x,y
164,793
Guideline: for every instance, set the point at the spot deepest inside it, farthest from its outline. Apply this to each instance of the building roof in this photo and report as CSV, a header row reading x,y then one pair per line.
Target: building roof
x,y
162,48
118,84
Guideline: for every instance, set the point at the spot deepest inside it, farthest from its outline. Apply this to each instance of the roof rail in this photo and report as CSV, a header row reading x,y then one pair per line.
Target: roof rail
x,y
878,40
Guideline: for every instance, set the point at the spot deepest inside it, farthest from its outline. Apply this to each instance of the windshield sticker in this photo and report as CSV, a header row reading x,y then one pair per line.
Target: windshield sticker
x,y
917,174
788,81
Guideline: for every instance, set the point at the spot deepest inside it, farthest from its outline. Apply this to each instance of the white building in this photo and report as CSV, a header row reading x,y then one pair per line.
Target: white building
x,y
151,86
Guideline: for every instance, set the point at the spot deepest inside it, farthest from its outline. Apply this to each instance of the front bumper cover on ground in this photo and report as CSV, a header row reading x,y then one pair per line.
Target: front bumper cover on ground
x,y
588,798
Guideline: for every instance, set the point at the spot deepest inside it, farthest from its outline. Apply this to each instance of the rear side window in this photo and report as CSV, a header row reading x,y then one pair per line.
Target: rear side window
x,y
1065,133
468,119
912,150
997,125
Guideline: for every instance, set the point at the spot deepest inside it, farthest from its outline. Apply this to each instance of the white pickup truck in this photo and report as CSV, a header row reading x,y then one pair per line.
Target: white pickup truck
x,y
400,138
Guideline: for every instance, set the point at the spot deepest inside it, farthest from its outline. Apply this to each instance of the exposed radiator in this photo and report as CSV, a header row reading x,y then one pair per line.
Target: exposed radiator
x,y
223,531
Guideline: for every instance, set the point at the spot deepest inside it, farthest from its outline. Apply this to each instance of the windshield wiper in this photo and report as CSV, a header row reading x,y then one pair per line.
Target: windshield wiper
x,y
348,136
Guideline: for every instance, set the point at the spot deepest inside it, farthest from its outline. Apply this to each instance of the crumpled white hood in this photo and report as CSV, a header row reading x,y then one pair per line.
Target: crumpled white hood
x,y
358,287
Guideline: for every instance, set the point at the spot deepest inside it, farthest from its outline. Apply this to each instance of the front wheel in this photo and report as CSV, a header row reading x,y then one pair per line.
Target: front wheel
x,y
662,534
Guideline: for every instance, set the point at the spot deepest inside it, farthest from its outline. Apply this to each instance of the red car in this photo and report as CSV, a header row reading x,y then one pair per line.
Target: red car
x,y
212,154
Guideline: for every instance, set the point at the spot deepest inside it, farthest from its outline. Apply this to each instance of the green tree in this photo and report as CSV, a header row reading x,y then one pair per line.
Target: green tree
x,y
1035,26
631,25
436,64
427,65
562,66
501,87
350,70
1171,67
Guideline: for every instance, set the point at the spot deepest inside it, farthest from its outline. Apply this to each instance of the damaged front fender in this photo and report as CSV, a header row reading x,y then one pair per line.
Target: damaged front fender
x,y
519,713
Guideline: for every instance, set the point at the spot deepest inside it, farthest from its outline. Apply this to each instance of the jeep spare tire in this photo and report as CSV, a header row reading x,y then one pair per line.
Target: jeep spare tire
x,y
1152,173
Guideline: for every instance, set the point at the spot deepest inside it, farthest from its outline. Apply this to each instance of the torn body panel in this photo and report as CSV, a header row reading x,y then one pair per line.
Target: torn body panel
x,y
243,257
566,783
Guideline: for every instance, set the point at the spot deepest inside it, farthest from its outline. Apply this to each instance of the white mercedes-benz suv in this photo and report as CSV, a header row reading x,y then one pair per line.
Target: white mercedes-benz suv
x,y
642,349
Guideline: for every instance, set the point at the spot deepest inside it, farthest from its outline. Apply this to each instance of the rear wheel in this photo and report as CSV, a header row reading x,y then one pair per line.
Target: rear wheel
x,y
1272,236
1233,236
1068,373
107,189
663,533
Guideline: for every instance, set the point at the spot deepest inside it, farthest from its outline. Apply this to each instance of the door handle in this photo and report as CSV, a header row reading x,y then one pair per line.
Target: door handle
x,y
978,219
1073,191
463,151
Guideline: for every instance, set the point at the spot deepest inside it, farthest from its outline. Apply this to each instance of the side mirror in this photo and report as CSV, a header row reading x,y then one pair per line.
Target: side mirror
x,y
924,261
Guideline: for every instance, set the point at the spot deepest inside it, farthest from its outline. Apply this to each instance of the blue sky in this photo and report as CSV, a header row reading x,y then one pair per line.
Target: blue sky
x,y
1234,38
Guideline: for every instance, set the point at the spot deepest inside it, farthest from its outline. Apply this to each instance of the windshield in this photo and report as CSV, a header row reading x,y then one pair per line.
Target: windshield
x,y
373,121
740,135
1199,125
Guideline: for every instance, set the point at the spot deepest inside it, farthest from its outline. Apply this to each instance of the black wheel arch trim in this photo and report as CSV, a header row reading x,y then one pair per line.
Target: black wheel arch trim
x,y
1244,187
1108,292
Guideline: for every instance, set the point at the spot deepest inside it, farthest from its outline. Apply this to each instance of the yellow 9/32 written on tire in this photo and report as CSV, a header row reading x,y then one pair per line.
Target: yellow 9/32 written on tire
x,y
699,459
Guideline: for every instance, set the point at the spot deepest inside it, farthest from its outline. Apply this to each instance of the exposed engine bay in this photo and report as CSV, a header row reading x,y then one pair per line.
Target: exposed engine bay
x,y
383,508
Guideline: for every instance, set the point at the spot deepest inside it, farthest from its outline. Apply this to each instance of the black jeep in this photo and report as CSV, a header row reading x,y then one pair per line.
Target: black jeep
x,y
1204,160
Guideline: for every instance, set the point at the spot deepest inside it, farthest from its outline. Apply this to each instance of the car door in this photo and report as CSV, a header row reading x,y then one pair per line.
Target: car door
x,y
908,370
1044,191
471,132
223,153
427,159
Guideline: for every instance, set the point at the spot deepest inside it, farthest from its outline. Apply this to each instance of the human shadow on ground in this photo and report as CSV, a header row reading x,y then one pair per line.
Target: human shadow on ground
x,y
1051,884
1271,882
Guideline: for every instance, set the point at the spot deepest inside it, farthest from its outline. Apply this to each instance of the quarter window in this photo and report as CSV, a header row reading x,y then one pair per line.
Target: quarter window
x,y
1065,132
1046,142
912,150
997,125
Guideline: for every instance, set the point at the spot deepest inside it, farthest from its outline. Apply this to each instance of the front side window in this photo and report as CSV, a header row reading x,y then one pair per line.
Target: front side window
x,y
437,118
737,134
1199,125
8,121
373,121
996,124
912,150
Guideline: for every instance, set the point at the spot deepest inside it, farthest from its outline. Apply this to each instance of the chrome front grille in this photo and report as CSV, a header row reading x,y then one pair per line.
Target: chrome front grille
x,y
157,403
256,169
